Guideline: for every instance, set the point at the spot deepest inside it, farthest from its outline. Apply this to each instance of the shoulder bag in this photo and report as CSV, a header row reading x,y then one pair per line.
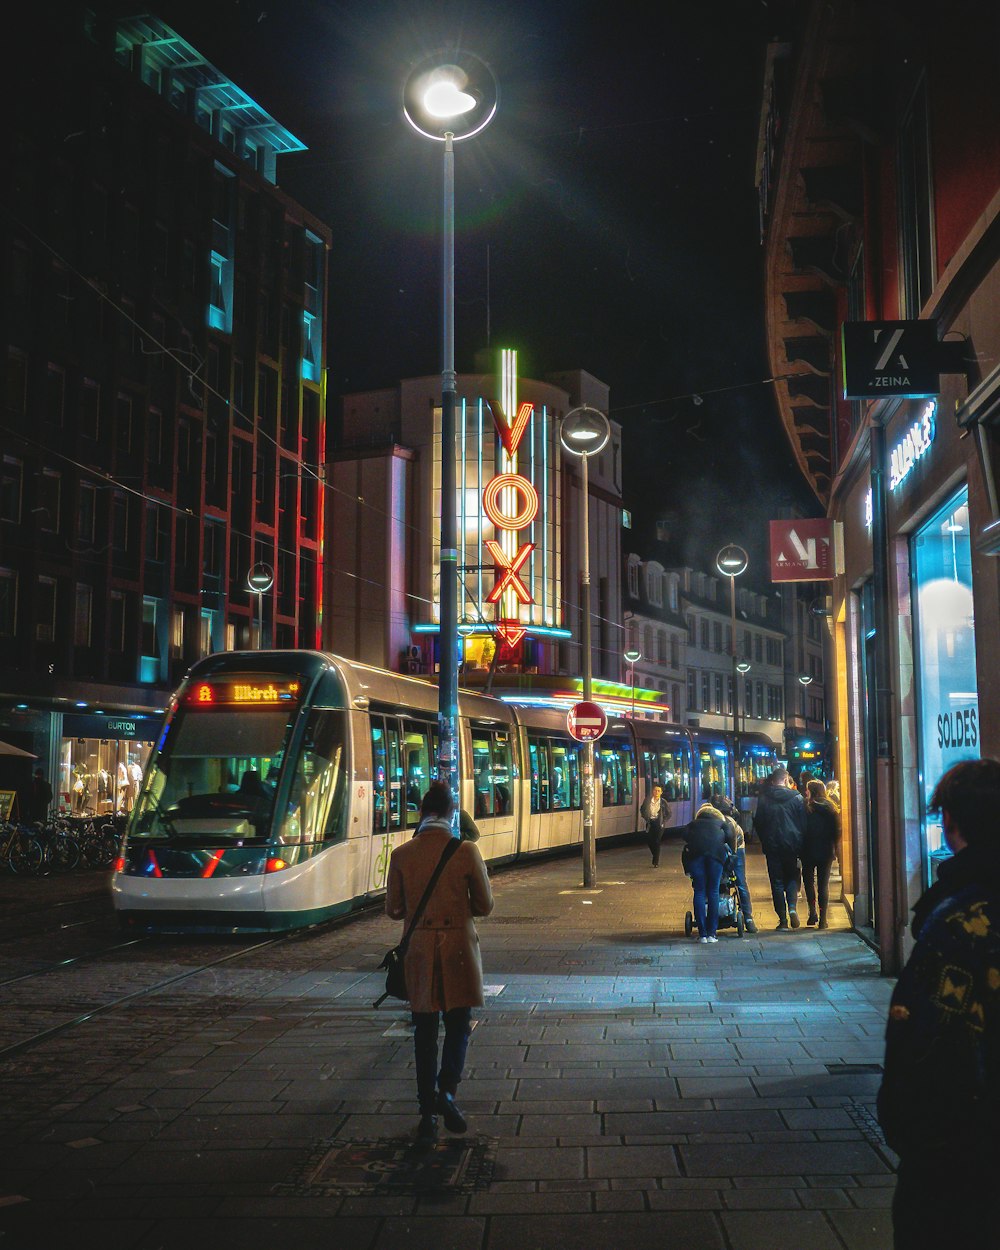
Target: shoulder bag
x,y
395,975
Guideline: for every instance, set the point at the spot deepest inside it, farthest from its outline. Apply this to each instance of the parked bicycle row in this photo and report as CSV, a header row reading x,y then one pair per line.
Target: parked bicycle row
x,y
57,845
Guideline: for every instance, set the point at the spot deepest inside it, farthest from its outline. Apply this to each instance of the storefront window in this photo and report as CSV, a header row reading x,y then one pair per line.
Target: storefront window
x,y
100,776
945,648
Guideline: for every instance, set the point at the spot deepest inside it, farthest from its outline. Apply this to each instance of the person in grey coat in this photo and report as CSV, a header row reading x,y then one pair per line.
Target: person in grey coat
x,y
655,811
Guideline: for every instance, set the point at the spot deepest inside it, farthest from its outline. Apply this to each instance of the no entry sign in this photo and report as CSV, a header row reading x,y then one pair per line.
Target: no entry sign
x,y
586,721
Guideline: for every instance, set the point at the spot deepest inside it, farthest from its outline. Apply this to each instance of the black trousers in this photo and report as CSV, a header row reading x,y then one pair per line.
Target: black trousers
x,y
932,1209
425,1050
654,833
783,871
816,879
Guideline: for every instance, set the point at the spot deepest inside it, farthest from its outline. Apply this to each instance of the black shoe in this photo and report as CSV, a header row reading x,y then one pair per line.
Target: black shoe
x,y
812,918
454,1121
793,917
823,923
782,923
427,1130
751,925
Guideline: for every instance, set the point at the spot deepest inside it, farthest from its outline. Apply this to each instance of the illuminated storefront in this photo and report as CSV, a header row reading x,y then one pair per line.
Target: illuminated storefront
x,y
101,762
944,657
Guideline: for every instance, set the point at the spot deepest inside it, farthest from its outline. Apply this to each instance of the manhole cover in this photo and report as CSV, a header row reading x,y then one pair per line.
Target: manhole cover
x,y
394,1165
854,1069
639,960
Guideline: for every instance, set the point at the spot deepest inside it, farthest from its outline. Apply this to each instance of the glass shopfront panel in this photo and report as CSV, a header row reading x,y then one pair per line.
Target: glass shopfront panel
x,y
945,655
101,763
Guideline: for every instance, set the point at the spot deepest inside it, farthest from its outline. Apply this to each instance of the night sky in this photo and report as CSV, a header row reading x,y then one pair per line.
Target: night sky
x,y
606,220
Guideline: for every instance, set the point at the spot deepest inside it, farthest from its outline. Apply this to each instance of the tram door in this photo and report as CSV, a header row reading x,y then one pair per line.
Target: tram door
x,y
388,793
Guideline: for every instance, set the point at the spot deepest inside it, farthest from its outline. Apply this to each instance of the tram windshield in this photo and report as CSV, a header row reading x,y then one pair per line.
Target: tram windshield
x,y
219,760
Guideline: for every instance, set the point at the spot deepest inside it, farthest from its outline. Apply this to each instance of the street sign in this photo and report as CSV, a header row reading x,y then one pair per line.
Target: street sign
x,y
804,550
586,721
882,358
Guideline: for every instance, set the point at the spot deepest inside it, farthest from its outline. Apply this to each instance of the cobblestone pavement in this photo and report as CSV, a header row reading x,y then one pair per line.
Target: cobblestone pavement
x,y
626,1087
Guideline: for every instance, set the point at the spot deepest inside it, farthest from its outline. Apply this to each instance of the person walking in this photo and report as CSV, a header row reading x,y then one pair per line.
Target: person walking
x,y
655,811
444,972
780,823
939,1103
708,840
728,810
819,845
41,797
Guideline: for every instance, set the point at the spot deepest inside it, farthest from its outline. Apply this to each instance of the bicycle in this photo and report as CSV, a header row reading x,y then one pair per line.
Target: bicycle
x,y
20,851
62,850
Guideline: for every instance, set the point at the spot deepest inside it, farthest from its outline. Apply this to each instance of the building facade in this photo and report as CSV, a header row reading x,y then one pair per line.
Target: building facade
x,y
164,382
385,511
880,199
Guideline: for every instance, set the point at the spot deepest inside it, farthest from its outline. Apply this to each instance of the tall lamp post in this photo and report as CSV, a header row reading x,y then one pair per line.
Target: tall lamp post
x,y
631,656
731,561
449,96
743,668
260,579
585,432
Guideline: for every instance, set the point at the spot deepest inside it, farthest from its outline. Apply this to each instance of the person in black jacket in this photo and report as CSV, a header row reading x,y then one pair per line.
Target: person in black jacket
x,y
709,838
939,1104
780,823
819,845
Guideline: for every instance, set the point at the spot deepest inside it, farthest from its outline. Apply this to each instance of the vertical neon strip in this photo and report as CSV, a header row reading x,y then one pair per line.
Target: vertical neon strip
x,y
508,504
533,536
462,540
479,513
546,527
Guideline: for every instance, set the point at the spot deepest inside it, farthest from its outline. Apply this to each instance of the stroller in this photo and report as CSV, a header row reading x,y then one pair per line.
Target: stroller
x,y
730,911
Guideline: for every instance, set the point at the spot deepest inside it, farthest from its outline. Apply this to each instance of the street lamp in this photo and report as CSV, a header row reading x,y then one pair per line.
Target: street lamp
x,y
585,432
260,579
631,655
731,561
743,668
449,96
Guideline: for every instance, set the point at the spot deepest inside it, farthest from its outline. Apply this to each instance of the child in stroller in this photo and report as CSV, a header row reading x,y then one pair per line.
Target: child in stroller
x,y
730,911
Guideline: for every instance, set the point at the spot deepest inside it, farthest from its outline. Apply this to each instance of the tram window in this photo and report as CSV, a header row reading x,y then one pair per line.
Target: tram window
x,y
214,765
714,772
565,775
673,772
538,751
419,749
380,776
317,811
482,774
617,774
387,776
503,772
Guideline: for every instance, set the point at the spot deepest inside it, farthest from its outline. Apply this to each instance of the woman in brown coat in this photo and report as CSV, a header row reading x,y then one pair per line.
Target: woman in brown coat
x,y
444,973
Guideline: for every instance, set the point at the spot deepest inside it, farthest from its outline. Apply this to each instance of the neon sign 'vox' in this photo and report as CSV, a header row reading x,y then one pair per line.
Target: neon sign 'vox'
x,y
510,502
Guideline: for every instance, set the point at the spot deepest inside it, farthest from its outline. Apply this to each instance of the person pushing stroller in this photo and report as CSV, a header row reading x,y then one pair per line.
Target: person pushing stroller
x,y
709,839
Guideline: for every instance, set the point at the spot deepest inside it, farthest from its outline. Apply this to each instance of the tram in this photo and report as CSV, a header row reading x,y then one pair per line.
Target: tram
x,y
281,781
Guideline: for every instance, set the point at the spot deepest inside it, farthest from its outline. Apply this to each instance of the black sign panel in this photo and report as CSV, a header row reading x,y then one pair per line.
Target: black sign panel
x,y
884,358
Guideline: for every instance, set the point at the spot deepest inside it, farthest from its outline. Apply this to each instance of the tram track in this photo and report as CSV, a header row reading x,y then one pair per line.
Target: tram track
x,y
79,1018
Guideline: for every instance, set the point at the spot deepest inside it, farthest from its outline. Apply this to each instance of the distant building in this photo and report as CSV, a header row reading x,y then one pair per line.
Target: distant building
x,y
385,509
164,373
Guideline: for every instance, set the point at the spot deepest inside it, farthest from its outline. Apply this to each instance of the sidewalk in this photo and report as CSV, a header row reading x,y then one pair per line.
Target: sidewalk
x,y
626,1088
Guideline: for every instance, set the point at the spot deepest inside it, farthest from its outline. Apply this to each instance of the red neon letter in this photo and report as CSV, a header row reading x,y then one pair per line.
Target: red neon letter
x,y
510,579
511,432
491,501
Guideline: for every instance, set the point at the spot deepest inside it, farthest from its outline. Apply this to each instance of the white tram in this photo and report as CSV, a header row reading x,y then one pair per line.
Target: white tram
x,y
282,780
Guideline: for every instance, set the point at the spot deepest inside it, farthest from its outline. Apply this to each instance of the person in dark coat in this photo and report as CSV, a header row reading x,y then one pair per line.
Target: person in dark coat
x,y
41,797
655,811
780,823
819,846
709,839
939,1104
444,971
